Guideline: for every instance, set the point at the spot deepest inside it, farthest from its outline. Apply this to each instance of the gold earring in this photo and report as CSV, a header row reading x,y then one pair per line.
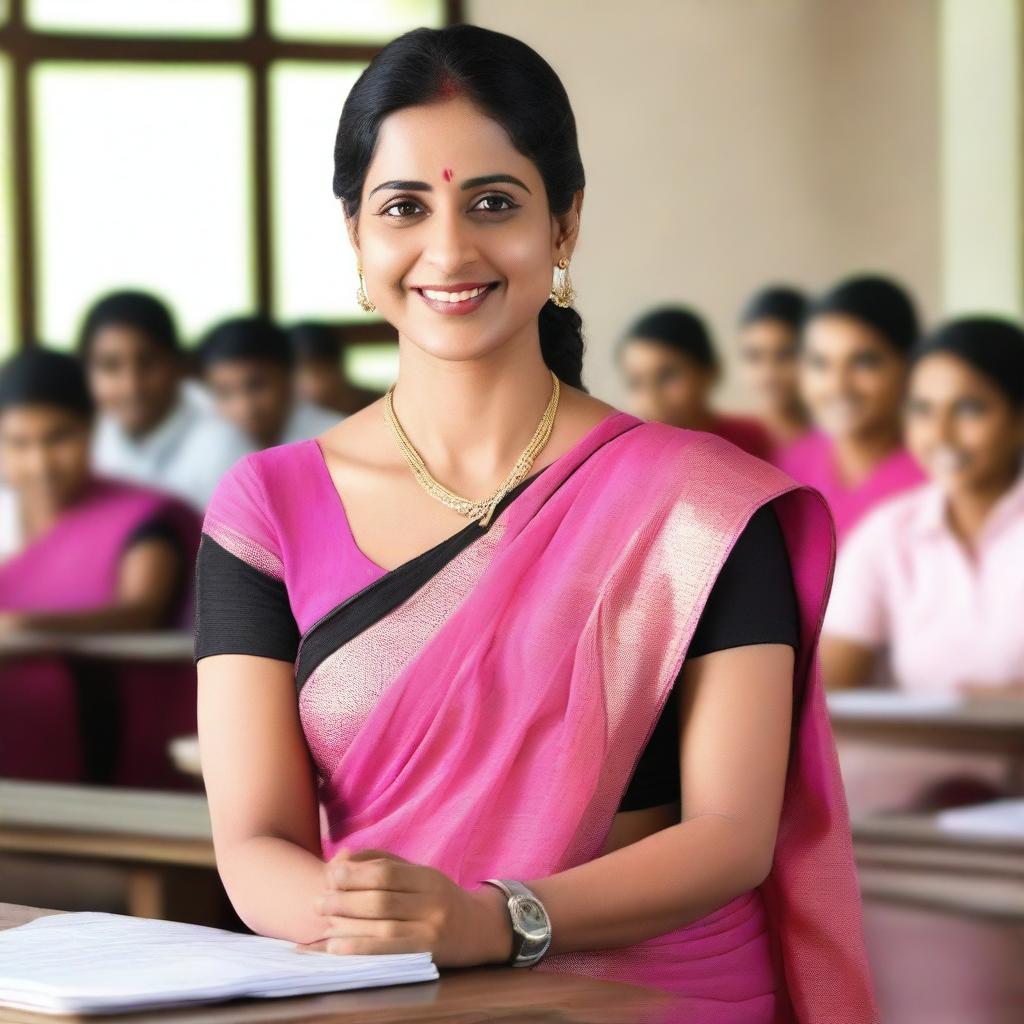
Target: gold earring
x,y
562,294
361,297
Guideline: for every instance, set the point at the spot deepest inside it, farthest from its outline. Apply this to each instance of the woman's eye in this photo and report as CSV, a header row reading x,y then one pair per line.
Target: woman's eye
x,y
403,208
489,208
971,407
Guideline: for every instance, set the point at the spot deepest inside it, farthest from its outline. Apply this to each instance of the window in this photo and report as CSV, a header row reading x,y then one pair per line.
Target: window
x,y
183,146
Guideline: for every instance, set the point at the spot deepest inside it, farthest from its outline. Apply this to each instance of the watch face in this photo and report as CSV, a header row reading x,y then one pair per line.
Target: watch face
x,y
529,918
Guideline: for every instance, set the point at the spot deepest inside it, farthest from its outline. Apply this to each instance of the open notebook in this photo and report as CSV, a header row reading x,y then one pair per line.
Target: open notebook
x,y
108,963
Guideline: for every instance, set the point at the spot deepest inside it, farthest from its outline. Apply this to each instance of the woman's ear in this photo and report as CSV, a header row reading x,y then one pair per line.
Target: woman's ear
x,y
567,228
350,229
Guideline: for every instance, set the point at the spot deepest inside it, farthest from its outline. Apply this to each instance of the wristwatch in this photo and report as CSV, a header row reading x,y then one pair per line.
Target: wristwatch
x,y
530,924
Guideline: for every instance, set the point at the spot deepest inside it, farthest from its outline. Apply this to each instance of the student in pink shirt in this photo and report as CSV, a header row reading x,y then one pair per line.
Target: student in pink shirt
x,y
936,576
853,378
769,343
671,367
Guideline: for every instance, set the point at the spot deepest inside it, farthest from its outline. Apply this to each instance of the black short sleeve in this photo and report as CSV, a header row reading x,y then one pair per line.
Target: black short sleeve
x,y
753,601
240,610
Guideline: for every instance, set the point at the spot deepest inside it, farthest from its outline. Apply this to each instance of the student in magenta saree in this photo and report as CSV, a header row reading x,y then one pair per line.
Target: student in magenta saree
x,y
769,359
670,368
398,707
82,553
853,379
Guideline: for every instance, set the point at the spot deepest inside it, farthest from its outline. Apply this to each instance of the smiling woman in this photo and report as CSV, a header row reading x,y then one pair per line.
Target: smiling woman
x,y
434,734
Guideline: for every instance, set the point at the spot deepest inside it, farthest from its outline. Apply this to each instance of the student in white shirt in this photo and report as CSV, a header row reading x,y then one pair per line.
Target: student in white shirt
x,y
150,430
248,365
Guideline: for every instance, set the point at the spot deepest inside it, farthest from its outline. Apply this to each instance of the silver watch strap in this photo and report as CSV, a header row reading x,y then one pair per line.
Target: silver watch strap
x,y
531,927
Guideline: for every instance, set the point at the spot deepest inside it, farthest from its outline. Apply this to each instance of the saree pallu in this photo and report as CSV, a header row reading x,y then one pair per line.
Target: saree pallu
x,y
68,720
481,709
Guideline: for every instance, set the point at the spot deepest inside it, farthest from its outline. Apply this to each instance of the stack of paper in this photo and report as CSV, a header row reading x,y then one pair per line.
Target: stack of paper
x,y
109,963
995,818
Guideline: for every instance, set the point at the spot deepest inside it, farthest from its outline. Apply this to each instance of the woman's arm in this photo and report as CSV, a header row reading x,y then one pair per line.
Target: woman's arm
x,y
260,787
735,709
148,576
846,663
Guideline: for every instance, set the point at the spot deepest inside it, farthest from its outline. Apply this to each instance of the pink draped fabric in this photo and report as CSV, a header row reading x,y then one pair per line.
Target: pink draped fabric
x,y
489,725
74,567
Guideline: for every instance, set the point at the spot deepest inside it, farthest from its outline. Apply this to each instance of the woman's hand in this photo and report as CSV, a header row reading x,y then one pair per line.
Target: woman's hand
x,y
377,902
999,691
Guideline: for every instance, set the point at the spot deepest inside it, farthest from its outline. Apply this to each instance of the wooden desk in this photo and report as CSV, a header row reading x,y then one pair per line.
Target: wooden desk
x,y
458,997
150,834
158,645
984,726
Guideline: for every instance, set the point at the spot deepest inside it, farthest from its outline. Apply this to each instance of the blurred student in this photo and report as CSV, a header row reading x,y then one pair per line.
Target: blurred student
x,y
856,346
248,364
83,553
934,579
670,369
770,327
151,430
319,375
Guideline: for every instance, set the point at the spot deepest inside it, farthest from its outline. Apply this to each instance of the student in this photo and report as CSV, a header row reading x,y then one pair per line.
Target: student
x,y
770,326
933,579
149,430
83,554
670,369
853,379
497,580
319,376
247,363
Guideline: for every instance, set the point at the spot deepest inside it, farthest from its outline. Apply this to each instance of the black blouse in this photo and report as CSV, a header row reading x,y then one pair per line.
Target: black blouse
x,y
240,610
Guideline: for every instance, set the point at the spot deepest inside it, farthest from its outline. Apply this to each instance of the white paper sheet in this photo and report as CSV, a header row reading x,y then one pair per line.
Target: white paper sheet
x,y
890,703
110,963
995,818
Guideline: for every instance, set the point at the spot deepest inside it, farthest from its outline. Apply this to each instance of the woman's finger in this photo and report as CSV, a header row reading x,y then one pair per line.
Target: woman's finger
x,y
369,903
365,946
393,875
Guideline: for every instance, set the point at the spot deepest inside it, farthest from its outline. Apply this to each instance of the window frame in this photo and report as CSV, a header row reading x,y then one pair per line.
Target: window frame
x,y
257,51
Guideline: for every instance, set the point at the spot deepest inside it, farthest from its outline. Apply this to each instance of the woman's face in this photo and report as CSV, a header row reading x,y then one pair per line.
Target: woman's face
x,y
664,384
961,427
451,208
132,378
44,452
769,357
851,378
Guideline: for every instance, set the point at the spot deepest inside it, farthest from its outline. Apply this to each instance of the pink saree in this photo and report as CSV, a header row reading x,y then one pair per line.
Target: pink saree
x,y
482,707
64,721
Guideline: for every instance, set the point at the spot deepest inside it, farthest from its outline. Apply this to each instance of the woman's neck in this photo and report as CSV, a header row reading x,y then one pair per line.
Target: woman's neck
x,y
471,419
857,457
968,509
786,424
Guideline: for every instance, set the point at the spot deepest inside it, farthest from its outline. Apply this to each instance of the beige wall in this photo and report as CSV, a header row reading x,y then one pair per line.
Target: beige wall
x,y
732,142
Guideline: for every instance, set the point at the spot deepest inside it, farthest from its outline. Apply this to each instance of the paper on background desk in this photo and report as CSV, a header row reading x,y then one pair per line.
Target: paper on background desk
x,y
890,703
111,963
995,818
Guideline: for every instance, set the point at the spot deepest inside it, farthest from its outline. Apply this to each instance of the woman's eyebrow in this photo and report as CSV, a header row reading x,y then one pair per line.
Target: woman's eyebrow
x,y
423,186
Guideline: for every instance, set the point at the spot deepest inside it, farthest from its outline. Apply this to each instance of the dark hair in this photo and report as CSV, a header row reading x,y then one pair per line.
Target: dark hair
x,y
677,328
992,346
311,339
40,376
776,302
879,302
509,82
145,312
244,337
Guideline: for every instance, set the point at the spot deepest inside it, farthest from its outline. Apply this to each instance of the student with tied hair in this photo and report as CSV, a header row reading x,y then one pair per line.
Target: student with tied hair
x,y
83,553
853,376
455,621
150,430
248,365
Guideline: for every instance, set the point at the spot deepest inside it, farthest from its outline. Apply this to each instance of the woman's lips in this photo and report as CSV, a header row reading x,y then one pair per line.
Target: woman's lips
x,y
442,300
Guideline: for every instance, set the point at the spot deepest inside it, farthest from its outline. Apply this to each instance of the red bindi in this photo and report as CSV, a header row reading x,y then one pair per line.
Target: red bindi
x,y
447,174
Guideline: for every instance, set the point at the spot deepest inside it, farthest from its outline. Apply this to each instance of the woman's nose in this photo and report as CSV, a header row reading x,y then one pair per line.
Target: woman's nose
x,y
450,244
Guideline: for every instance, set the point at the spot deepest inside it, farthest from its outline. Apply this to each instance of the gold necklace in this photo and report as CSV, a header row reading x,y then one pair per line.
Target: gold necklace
x,y
484,509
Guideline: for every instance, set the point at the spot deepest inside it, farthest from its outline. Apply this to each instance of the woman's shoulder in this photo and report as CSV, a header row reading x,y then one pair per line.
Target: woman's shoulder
x,y
109,492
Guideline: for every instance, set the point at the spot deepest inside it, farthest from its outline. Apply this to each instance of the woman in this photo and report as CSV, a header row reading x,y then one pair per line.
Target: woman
x,y
853,379
770,326
933,577
152,429
83,554
670,369
472,702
